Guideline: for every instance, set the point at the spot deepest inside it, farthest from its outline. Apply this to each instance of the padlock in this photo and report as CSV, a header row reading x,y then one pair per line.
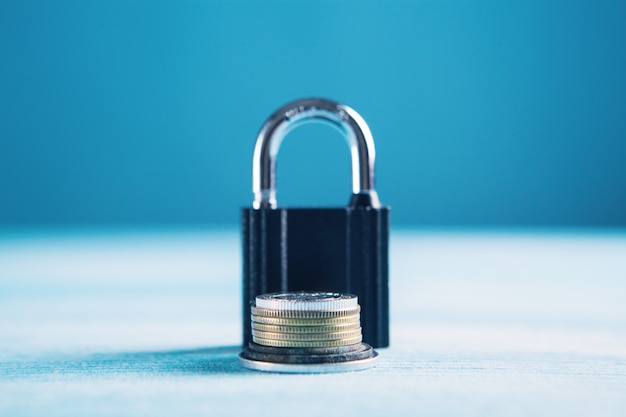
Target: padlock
x,y
337,249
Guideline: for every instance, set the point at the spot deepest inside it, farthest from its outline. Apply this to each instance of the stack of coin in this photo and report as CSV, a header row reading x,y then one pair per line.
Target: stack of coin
x,y
307,332
306,320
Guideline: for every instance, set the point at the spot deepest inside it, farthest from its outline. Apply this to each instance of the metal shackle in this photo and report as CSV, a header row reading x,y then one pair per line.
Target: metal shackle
x,y
310,110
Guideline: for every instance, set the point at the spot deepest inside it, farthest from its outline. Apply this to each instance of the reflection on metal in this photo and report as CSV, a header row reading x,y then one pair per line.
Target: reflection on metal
x,y
299,112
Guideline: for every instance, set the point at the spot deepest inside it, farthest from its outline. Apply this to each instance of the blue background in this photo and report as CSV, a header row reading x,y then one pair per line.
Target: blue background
x,y
145,112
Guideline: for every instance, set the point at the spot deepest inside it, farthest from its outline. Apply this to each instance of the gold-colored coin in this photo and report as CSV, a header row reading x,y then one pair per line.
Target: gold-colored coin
x,y
305,314
306,337
286,321
305,329
307,344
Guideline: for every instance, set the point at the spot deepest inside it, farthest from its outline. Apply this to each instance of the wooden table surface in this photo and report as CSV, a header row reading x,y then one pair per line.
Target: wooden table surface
x,y
136,322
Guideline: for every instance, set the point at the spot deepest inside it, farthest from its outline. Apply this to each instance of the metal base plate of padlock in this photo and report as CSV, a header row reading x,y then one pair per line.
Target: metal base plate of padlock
x,y
323,249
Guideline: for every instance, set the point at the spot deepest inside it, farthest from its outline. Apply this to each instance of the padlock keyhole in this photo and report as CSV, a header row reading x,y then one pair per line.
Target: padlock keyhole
x,y
313,168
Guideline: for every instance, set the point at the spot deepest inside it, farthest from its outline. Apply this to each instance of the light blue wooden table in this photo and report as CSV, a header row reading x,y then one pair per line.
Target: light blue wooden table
x,y
148,323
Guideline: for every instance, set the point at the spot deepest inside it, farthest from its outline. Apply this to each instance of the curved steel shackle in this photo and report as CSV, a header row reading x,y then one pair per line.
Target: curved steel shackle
x,y
299,112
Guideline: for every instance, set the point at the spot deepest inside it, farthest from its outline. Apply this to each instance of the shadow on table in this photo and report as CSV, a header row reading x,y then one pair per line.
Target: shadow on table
x,y
211,360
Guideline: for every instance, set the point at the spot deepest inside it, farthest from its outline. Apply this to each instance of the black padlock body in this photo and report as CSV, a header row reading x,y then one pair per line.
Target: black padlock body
x,y
343,250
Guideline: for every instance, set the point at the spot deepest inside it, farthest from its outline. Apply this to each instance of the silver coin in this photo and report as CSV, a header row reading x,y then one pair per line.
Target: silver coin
x,y
305,314
306,368
301,322
305,296
307,301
